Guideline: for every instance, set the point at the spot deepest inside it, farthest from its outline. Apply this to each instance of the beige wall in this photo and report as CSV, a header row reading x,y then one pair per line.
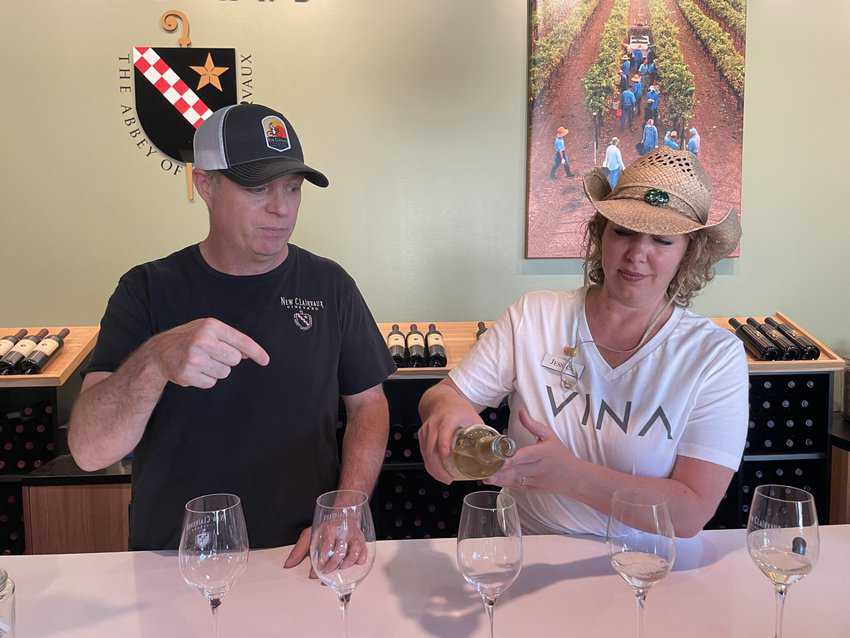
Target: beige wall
x,y
416,111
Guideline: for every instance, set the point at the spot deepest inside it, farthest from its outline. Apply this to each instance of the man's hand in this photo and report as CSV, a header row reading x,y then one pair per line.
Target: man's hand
x,y
341,545
201,352
300,551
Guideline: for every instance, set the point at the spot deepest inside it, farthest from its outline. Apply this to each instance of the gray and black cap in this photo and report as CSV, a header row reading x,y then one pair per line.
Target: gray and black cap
x,y
252,145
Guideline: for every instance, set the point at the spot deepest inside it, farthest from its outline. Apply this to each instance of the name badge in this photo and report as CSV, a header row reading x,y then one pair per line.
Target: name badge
x,y
567,367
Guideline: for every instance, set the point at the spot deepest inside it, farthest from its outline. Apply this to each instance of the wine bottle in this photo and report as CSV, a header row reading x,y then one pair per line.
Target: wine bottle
x,y
8,342
46,348
415,347
395,342
21,350
478,451
481,330
808,348
788,351
754,341
436,347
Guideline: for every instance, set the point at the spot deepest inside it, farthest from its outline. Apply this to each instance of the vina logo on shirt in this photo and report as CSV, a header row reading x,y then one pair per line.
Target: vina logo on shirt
x,y
297,303
657,416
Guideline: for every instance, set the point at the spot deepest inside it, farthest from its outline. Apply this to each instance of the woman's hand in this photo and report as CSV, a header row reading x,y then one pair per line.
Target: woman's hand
x,y
545,465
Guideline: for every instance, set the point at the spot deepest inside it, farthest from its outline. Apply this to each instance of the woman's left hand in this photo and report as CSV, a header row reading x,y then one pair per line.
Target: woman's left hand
x,y
544,465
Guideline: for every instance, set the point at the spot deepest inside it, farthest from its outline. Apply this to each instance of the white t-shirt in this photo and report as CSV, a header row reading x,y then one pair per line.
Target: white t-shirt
x,y
684,392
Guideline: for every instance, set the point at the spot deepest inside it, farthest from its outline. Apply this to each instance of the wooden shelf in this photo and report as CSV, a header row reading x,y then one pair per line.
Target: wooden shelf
x,y
827,362
459,338
78,344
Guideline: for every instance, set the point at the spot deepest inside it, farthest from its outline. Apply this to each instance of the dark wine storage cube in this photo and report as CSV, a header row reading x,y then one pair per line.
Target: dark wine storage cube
x,y
411,504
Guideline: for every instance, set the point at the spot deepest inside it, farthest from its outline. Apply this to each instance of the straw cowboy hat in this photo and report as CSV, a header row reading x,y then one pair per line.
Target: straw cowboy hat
x,y
561,131
665,192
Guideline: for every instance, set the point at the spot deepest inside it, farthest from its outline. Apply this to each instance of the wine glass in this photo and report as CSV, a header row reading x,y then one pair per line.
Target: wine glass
x,y
342,543
783,538
489,545
213,546
640,541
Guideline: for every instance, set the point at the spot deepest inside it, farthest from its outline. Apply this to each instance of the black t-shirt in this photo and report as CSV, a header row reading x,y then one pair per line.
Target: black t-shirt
x,y
264,433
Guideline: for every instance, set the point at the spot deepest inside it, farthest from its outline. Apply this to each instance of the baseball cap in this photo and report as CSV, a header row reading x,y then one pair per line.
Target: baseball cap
x,y
252,145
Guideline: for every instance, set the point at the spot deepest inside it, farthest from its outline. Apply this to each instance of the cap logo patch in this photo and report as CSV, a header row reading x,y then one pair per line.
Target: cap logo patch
x,y
277,137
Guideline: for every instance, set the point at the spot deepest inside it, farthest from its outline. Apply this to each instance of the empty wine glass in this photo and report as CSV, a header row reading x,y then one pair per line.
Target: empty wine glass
x,y
783,538
213,546
640,541
342,543
489,545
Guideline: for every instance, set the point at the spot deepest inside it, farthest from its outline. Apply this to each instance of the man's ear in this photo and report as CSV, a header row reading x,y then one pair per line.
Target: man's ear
x,y
205,183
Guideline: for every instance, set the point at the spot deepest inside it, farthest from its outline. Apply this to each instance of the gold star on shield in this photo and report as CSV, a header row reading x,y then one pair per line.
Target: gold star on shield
x,y
209,73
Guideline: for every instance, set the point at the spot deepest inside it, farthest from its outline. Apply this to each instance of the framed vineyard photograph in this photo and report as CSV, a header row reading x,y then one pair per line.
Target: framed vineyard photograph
x,y
609,80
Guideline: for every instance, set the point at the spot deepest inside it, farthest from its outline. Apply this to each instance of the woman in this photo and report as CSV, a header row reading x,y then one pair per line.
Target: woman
x,y
615,384
671,140
613,161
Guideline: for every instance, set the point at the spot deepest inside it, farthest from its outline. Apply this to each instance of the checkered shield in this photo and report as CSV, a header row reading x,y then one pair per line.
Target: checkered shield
x,y
177,89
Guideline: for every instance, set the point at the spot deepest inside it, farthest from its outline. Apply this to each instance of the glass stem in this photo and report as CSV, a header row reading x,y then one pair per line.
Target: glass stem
x,y
490,608
344,599
640,597
781,590
215,603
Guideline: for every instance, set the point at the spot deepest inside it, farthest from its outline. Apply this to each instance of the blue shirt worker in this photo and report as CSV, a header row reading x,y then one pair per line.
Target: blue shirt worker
x,y
693,141
561,158
627,104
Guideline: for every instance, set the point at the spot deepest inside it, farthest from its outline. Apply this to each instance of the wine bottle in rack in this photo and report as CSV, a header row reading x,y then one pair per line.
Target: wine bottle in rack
x,y
395,342
481,330
415,347
46,348
21,350
788,351
8,342
436,347
810,350
754,341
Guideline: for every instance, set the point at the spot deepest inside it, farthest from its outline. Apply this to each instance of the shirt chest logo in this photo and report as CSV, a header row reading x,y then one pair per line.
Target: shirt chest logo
x,y
303,320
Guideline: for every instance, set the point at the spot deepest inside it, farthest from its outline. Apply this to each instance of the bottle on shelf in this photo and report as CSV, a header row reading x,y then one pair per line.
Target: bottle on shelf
x,y
788,351
395,342
8,342
809,349
481,330
21,350
415,347
436,347
754,341
478,451
46,348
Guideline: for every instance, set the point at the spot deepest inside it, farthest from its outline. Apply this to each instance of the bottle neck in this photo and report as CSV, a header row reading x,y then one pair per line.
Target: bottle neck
x,y
502,446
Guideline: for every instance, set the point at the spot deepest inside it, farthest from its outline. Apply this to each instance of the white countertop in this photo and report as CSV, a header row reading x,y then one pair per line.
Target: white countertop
x,y
566,588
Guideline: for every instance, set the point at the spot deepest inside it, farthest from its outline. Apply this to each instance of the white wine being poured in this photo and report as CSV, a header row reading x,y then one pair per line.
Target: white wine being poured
x,y
478,451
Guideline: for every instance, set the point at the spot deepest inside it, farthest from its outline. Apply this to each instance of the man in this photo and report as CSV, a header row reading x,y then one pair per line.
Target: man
x,y
671,140
561,158
222,364
693,141
627,104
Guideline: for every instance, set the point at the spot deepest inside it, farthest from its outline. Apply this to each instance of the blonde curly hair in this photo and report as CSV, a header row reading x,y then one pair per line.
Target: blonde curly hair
x,y
695,270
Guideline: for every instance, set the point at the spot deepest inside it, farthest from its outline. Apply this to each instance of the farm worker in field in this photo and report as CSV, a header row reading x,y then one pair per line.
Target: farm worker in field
x,y
626,66
693,141
627,103
671,139
613,162
637,59
637,87
649,141
561,158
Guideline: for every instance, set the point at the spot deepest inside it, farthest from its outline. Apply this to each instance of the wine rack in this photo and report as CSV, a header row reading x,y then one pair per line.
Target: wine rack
x,y
32,409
